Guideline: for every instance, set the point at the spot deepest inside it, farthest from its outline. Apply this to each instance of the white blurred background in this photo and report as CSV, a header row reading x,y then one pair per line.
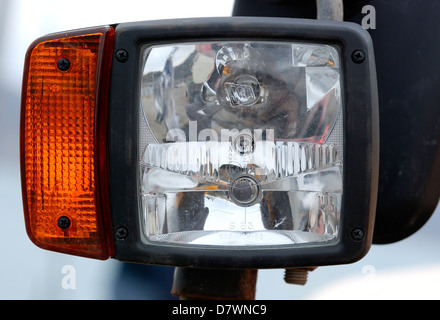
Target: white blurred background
x,y
409,269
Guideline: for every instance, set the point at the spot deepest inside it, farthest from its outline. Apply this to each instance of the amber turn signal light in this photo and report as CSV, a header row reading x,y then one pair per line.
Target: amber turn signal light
x,y
63,142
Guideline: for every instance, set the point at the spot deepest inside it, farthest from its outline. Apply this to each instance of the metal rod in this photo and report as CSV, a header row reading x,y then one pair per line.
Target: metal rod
x,y
330,10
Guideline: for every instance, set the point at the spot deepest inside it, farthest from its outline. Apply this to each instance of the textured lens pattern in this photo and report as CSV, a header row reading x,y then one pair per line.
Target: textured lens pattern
x,y
59,137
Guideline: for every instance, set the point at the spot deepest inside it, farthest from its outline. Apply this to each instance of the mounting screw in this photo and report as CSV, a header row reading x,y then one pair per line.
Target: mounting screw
x,y
63,64
122,55
358,56
357,234
64,222
121,233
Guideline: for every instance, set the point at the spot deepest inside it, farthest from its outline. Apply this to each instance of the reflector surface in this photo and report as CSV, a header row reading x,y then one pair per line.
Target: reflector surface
x,y
241,143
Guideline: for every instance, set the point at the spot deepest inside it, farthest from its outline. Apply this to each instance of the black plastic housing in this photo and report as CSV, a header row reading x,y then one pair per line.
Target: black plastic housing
x,y
409,183
361,141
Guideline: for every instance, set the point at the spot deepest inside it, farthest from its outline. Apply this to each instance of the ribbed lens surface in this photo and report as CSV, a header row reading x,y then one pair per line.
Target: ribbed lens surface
x,y
58,144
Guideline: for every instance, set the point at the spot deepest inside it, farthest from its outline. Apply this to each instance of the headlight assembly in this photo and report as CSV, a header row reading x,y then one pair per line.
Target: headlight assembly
x,y
227,143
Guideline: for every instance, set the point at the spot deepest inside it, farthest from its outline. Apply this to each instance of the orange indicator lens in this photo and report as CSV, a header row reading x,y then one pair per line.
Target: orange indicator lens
x,y
63,142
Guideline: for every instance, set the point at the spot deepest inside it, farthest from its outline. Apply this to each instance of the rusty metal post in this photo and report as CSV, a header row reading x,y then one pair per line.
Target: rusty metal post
x,y
214,284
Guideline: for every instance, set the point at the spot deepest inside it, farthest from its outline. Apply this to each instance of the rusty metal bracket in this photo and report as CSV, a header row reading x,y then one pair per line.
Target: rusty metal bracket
x,y
214,284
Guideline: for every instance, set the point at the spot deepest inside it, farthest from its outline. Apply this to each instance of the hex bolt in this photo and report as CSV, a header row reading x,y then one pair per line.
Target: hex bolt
x,y
357,234
121,233
63,64
64,222
121,55
358,56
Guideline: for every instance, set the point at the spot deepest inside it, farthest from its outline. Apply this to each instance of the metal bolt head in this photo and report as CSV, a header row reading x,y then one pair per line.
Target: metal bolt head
x,y
357,234
121,55
358,56
121,233
64,222
63,64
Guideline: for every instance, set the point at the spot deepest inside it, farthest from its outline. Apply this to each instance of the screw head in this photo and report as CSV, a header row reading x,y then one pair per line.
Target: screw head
x,y
63,64
64,222
358,56
357,234
121,233
121,55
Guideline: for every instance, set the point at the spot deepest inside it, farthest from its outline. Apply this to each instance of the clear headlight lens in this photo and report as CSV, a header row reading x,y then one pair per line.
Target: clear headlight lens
x,y
241,143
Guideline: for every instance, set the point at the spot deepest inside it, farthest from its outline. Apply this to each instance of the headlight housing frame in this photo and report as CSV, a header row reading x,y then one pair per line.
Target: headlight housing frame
x,y
361,140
